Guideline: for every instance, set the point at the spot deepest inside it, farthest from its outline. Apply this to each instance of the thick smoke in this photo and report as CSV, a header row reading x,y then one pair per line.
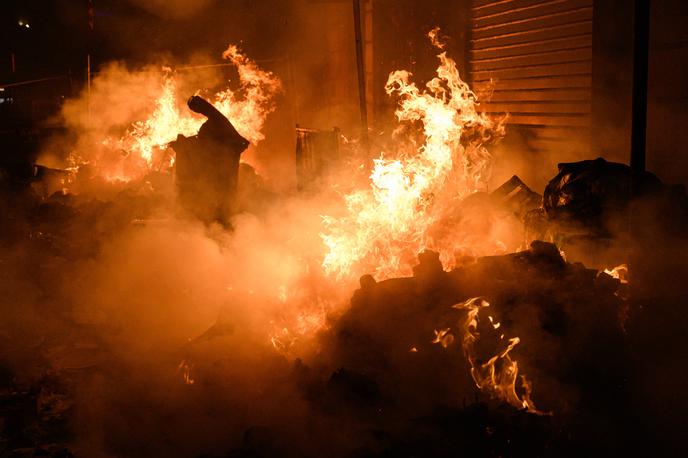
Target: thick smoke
x,y
171,338
186,339
174,9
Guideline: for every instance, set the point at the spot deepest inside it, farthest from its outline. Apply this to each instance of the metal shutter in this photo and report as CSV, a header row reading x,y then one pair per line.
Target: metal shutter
x,y
537,56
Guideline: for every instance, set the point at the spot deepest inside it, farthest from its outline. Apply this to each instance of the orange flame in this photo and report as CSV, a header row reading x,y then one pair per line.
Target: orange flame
x,y
301,326
184,370
146,142
388,224
495,374
619,272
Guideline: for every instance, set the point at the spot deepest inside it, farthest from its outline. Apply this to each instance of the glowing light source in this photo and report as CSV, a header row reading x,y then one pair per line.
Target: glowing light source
x,y
388,224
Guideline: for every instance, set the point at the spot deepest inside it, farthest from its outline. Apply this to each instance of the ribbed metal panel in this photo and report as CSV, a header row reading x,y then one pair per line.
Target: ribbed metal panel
x,y
533,60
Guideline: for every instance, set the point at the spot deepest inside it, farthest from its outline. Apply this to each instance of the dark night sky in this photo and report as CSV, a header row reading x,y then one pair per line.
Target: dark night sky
x,y
133,30
54,42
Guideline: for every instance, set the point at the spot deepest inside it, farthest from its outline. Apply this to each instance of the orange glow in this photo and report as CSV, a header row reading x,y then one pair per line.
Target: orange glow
x,y
410,195
619,272
184,370
303,325
495,375
144,146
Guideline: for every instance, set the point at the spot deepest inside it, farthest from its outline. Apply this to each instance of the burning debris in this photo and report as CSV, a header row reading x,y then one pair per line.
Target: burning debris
x,y
595,210
535,291
494,343
207,165
144,146
416,189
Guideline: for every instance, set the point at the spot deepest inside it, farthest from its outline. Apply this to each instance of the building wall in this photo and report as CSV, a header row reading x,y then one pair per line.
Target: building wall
x,y
667,139
533,60
563,70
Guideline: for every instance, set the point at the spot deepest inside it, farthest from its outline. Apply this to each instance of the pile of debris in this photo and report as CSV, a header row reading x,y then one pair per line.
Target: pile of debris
x,y
598,211
395,339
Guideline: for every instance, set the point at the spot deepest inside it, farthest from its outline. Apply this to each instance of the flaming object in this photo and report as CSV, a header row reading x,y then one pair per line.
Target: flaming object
x,y
496,374
145,142
619,272
412,194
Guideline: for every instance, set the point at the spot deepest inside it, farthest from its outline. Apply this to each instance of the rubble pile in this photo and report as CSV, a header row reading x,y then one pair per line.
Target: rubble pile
x,y
391,376
572,346
597,211
43,369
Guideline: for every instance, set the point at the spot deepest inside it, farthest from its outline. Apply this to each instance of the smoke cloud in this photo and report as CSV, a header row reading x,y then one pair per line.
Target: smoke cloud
x,y
175,9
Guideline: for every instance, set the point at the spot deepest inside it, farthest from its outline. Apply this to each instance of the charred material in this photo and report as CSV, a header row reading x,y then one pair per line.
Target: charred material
x,y
594,196
207,165
564,314
515,195
316,150
599,211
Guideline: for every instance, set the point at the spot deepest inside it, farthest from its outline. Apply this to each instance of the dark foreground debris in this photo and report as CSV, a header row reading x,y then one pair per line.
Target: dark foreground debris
x,y
609,370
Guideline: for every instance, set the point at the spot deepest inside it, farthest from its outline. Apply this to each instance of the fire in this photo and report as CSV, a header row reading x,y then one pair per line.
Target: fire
x,y
443,337
184,370
302,326
144,138
410,195
145,142
495,374
619,272
260,87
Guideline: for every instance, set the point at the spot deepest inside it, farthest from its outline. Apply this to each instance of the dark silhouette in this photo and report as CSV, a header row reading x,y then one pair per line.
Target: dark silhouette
x,y
207,165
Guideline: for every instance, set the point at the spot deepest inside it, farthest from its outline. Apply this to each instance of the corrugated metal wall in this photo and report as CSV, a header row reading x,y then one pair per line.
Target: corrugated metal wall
x,y
535,59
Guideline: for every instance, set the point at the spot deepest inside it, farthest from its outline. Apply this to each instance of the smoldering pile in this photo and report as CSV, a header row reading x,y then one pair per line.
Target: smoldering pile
x,y
563,312
390,377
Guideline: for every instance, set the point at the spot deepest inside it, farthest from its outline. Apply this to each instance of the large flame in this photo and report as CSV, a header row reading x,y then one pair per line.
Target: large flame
x,y
146,141
496,373
388,224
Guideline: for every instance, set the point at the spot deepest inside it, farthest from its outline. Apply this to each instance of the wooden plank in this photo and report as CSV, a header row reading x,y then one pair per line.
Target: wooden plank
x,y
572,143
557,44
577,81
552,20
572,68
555,57
553,95
549,120
529,36
529,12
536,107
480,9
554,133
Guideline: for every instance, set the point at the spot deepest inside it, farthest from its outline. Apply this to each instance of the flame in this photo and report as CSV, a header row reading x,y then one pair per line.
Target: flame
x,y
301,316
435,39
260,87
619,272
144,138
145,142
443,337
184,369
302,326
496,374
409,196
